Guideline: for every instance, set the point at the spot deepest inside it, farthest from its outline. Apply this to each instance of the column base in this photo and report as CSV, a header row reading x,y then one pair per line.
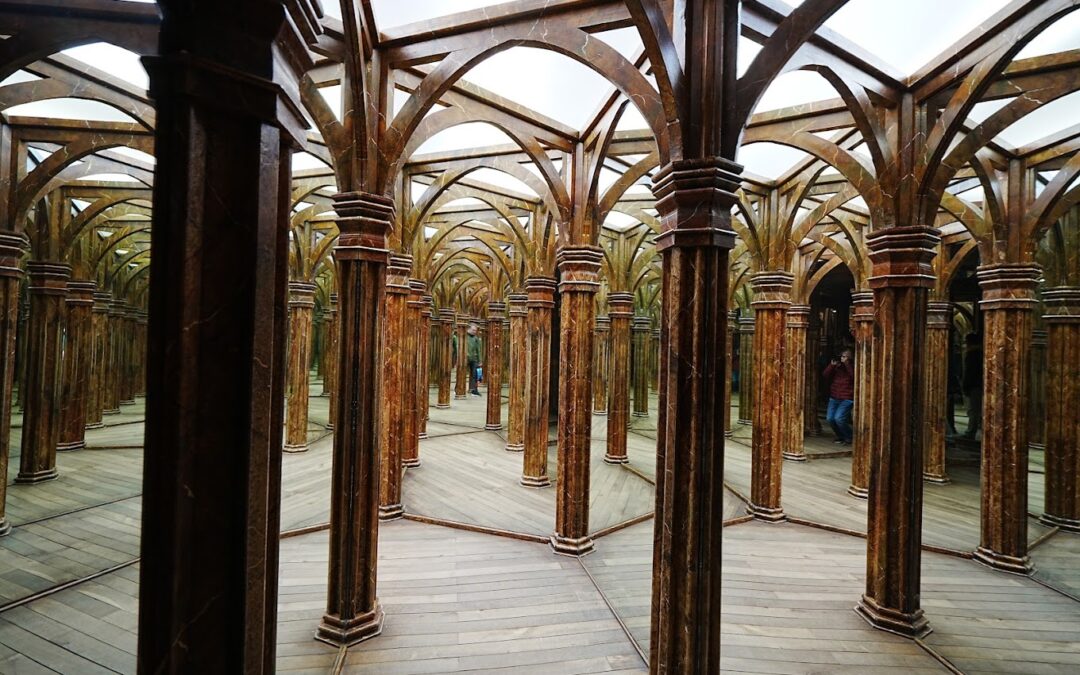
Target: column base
x,y
1060,522
329,426
37,477
5,527
128,401
575,548
423,435
616,459
391,512
766,514
70,446
600,413
111,411
294,448
535,481
728,433
413,463
515,447
442,406
858,492
1004,563
745,423
909,625
493,427
639,414
460,397
95,425
936,478
1036,447
799,456
334,631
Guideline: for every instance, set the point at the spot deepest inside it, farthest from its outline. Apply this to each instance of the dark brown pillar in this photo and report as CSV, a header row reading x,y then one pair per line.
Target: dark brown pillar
x,y
127,346
1037,387
746,367
519,368
353,612
333,330
415,401
301,311
45,336
1062,318
862,312
114,361
493,361
541,292
936,380
98,360
444,350
729,360
1008,306
901,281
579,271
811,423
460,363
601,359
772,297
396,389
639,329
654,360
620,312
423,379
78,352
798,321
12,247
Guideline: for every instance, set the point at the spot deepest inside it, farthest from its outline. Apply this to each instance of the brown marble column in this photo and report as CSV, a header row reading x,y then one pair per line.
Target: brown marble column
x,y
746,368
811,423
901,281
414,401
353,612
1008,306
935,398
654,360
301,311
1062,508
45,336
127,346
78,352
12,247
729,359
862,312
639,329
20,353
444,350
423,379
114,363
99,346
493,369
519,368
1037,387
396,389
798,321
620,312
534,471
579,272
772,297
601,360
460,362
333,330
142,325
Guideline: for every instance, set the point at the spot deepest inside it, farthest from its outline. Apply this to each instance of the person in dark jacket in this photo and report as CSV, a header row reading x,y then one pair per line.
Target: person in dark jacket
x,y
973,383
840,374
472,357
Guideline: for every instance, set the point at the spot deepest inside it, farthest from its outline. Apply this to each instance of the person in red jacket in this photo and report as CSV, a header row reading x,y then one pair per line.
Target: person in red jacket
x,y
840,374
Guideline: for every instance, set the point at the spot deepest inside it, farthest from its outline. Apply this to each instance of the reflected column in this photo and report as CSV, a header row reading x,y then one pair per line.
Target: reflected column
x,y
395,387
620,313
541,292
798,321
1062,402
519,367
493,365
12,247
78,352
413,400
862,312
444,347
301,309
746,367
640,328
601,359
938,315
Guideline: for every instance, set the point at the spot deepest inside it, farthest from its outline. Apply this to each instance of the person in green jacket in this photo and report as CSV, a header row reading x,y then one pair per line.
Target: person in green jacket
x,y
472,357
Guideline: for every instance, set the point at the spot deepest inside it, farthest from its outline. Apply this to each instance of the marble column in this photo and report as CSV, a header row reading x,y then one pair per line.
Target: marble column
x,y
639,329
1008,307
579,272
601,359
127,346
935,398
798,321
901,281
353,612
44,358
395,392
862,312
541,303
746,368
493,369
620,312
78,353
444,351
1037,386
415,397
460,363
12,247
142,325
114,363
811,423
729,359
1062,318
99,360
772,297
423,379
519,367
330,375
297,386
654,360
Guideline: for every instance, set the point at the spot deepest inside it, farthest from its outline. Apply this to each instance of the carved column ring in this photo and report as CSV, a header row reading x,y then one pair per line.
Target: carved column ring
x,y
48,278
1062,304
901,256
301,294
12,247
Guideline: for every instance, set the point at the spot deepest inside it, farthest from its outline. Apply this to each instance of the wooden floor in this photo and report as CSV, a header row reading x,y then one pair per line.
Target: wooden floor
x,y
460,601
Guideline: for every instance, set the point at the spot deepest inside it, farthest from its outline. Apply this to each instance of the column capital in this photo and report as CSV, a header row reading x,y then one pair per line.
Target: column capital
x,y
938,314
102,299
1008,285
694,198
418,286
901,256
579,268
398,268
772,290
603,323
541,291
48,278
301,294
518,304
862,305
641,324
81,292
496,311
447,316
620,305
1062,304
798,316
363,221
12,247
427,310
746,323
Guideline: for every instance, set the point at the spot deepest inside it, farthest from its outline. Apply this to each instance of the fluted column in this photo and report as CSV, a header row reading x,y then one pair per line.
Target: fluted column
x,y
99,353
423,380
330,377
127,346
579,270
541,292
936,380
45,335
353,612
654,360
301,312
601,360
396,389
12,247
620,312
862,311
639,329
460,364
1062,508
729,359
772,297
811,423
519,368
1008,307
415,401
1037,387
142,324
114,362
493,362
78,352
746,368
901,281
798,321
444,350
